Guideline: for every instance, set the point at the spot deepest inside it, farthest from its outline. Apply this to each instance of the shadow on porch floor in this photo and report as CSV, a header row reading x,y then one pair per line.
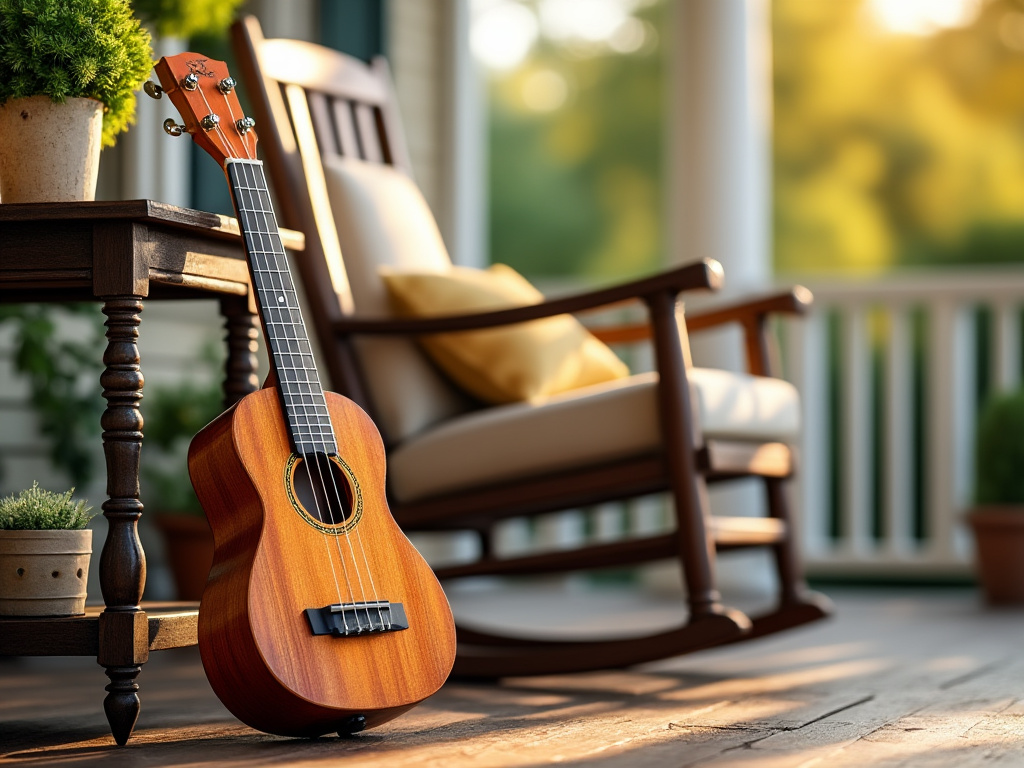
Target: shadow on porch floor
x,y
900,677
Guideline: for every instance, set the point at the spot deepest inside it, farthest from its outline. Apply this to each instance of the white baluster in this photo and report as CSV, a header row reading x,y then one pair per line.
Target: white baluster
x,y
609,521
1006,362
855,389
807,343
949,425
897,464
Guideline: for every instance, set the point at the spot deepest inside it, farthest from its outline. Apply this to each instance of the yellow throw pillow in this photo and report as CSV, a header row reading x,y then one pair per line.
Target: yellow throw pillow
x,y
524,361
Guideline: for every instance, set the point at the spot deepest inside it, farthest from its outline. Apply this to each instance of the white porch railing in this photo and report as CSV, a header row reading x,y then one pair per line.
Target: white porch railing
x,y
887,458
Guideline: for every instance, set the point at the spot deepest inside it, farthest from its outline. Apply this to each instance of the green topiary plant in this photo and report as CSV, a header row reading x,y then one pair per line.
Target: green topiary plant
x,y
36,509
999,450
75,48
187,18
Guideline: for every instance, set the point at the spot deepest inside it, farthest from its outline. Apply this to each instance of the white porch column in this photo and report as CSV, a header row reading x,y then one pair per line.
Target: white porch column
x,y
719,137
719,176
463,220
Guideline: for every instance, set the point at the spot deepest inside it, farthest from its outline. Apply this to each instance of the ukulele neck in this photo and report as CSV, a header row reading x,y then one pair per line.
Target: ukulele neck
x,y
291,356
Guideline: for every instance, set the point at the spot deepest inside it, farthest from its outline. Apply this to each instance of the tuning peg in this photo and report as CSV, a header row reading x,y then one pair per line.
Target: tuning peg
x,y
210,122
244,125
153,90
227,85
190,81
172,128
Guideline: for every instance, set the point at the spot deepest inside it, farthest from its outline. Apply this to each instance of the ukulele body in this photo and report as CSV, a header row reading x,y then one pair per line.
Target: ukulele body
x,y
272,563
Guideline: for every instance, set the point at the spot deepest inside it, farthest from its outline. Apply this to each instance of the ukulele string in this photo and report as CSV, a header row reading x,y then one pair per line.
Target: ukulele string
x,y
306,460
249,175
249,154
219,130
337,495
345,529
369,571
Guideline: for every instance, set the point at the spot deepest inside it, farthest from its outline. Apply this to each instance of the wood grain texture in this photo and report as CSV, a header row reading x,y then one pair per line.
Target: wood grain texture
x,y
270,565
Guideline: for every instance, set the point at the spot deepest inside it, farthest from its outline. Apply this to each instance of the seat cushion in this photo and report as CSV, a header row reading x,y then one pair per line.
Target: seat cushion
x,y
524,361
603,422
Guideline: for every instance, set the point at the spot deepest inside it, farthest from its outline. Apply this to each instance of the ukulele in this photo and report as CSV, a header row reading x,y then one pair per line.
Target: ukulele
x,y
319,616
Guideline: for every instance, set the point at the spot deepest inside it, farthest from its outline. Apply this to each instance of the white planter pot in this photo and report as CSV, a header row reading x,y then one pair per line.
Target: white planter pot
x,y
49,152
44,573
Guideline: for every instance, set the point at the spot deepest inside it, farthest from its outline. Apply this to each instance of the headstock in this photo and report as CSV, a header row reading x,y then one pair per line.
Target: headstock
x,y
204,94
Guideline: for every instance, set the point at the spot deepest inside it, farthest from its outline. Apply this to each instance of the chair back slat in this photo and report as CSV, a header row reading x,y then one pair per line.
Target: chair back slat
x,y
369,138
303,124
346,126
323,125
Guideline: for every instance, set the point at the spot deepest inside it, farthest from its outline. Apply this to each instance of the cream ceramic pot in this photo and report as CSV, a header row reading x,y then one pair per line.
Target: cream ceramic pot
x,y
49,152
44,573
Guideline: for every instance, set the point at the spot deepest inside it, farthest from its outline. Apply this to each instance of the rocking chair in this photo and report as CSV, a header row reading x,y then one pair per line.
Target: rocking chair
x,y
338,162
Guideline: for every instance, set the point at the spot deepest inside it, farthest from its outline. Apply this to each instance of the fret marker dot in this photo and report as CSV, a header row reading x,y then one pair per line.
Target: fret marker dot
x,y
280,298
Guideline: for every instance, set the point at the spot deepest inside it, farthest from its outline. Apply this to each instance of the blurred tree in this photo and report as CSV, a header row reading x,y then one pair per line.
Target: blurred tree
x,y
576,154
896,148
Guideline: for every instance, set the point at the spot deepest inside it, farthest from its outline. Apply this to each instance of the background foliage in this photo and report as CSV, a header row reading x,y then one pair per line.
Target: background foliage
x,y
894,149
576,188
186,18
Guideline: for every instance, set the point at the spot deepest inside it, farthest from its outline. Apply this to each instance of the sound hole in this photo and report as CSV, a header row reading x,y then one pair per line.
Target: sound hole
x,y
322,489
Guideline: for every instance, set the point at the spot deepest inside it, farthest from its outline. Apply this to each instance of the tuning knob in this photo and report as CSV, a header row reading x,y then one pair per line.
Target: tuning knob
x,y
172,128
210,122
190,81
227,85
153,90
244,125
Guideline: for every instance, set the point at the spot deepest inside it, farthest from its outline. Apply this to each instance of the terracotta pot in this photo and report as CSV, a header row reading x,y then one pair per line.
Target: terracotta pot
x,y
999,544
44,573
188,543
49,152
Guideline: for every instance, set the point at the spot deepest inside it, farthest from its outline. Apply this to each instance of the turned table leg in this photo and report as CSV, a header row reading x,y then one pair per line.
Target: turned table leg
x,y
123,628
241,366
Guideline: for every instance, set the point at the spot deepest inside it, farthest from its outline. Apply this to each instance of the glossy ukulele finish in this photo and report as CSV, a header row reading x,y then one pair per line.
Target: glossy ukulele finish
x,y
319,615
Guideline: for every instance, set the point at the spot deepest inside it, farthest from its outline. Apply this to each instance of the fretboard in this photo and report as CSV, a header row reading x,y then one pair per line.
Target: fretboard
x,y
291,356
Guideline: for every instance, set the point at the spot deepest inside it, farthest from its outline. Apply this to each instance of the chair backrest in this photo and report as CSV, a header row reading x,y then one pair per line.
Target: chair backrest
x,y
331,135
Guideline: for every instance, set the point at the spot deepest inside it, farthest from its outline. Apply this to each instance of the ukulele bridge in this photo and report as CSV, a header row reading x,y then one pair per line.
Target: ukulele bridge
x,y
362,618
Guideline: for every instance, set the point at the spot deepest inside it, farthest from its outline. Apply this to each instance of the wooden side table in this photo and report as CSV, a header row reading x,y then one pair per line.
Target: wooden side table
x,y
121,253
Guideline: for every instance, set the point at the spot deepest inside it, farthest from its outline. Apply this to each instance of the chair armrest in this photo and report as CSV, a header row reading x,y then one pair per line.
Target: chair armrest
x,y
795,301
705,274
762,355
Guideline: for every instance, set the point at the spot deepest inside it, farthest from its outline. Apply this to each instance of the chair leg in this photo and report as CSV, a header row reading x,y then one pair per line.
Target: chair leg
x,y
689,490
797,603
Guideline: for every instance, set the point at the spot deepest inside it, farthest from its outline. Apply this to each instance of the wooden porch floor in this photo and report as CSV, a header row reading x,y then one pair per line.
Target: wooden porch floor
x,y
899,678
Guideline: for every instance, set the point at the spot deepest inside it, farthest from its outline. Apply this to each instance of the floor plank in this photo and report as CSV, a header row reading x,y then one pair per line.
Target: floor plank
x,y
899,678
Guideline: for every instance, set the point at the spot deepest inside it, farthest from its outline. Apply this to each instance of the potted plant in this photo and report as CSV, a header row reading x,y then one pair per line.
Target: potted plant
x,y
998,516
68,75
44,553
172,417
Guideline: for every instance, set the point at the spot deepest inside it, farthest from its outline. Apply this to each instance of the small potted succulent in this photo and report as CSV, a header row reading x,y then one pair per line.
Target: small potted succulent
x,y
172,418
998,516
68,75
44,553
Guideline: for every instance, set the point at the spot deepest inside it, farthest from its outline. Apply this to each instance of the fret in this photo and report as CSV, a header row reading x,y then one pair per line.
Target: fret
x,y
302,396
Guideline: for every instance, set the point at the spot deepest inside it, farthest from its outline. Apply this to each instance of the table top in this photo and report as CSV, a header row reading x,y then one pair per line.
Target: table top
x,y
88,250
